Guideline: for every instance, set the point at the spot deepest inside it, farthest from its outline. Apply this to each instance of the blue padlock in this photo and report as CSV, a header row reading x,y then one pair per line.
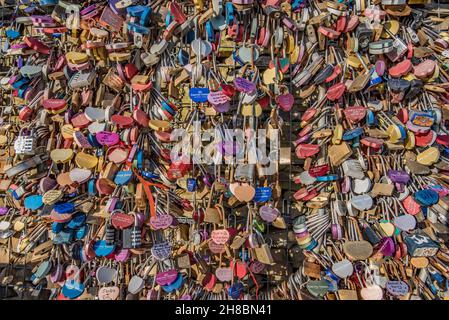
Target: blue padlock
x,y
64,207
426,197
235,290
191,184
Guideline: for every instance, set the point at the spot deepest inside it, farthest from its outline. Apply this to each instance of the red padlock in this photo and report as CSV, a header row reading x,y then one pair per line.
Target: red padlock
x,y
25,113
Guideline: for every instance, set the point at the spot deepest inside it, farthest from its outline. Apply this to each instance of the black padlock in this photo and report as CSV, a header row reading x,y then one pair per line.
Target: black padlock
x,y
364,34
111,233
126,238
75,250
415,88
136,234
370,235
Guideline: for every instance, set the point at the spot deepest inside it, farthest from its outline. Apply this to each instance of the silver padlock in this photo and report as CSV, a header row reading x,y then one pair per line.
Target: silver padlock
x,y
25,143
353,169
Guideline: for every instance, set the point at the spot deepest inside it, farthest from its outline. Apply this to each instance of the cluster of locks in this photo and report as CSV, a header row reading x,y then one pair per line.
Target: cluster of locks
x,y
218,149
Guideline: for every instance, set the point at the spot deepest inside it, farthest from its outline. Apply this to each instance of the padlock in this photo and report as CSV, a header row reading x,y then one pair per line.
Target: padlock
x,y
126,238
110,234
25,142
136,234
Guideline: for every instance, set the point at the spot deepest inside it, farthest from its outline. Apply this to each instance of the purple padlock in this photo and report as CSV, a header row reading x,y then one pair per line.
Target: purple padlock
x,y
336,232
398,176
3,211
387,246
41,18
227,148
208,179
303,139
88,9
18,46
345,185
12,79
174,223
223,107
29,9
19,62
140,219
244,85
204,235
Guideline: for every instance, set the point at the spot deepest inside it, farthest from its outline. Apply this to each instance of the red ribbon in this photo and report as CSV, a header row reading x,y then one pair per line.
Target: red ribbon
x,y
146,187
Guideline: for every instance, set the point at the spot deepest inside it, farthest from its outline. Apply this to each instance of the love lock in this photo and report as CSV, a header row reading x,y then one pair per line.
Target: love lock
x,y
360,186
362,202
25,143
343,269
105,275
136,284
